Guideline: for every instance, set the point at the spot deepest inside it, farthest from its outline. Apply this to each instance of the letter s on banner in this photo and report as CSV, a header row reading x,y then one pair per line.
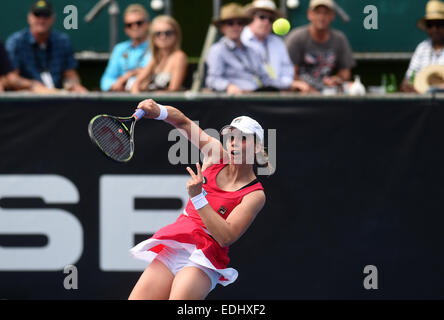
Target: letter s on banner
x,y
63,229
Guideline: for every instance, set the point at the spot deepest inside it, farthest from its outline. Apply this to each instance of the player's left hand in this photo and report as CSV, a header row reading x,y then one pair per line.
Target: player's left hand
x,y
194,185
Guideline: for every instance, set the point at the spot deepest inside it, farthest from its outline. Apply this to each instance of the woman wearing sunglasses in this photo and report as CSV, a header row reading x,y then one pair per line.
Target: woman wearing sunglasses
x,y
167,68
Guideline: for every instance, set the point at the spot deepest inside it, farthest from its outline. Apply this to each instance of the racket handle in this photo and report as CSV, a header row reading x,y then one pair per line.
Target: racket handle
x,y
138,114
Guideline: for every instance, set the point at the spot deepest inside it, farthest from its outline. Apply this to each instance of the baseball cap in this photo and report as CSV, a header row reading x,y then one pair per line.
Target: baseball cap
x,y
42,6
246,125
328,3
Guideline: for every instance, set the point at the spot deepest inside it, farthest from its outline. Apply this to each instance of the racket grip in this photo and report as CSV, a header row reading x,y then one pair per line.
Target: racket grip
x,y
139,114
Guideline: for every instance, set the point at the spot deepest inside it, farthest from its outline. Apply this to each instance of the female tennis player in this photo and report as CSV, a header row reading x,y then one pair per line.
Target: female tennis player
x,y
190,256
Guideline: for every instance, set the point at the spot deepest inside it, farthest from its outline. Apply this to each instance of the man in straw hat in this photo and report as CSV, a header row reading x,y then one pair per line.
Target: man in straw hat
x,y
231,66
321,55
430,51
270,47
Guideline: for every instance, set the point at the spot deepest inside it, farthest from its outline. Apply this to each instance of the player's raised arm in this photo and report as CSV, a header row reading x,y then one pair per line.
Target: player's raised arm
x,y
211,148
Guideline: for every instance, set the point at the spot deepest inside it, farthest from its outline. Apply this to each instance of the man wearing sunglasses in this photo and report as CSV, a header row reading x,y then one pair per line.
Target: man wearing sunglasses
x,y
44,57
233,67
271,48
129,57
430,51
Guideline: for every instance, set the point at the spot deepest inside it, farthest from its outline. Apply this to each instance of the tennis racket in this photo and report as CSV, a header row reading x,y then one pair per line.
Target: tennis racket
x,y
112,136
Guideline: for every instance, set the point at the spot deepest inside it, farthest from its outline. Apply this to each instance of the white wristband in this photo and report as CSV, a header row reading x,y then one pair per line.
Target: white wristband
x,y
163,113
199,201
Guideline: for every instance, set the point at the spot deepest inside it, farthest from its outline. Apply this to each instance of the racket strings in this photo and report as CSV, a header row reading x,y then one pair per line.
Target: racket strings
x,y
112,137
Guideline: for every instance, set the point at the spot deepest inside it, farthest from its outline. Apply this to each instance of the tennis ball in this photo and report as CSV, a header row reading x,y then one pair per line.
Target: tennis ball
x,y
281,26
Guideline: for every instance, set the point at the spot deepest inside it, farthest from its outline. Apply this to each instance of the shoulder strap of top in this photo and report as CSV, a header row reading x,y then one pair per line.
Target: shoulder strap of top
x,y
249,184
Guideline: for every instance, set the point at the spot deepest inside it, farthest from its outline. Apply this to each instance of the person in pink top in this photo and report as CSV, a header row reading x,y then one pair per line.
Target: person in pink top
x,y
189,257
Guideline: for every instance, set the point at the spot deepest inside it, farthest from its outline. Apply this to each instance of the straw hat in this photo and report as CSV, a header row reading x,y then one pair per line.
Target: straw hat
x,y
430,76
231,11
263,5
434,11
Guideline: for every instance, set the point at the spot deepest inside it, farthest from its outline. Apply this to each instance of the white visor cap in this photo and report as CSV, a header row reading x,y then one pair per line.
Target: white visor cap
x,y
246,125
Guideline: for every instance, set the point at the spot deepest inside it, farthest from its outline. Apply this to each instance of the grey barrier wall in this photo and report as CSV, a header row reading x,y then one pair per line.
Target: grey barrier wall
x,y
354,209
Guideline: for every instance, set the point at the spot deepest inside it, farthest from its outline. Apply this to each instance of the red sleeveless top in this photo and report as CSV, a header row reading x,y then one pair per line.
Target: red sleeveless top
x,y
223,202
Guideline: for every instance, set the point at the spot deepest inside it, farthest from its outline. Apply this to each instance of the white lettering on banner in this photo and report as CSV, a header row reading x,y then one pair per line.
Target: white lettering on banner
x,y
63,229
119,221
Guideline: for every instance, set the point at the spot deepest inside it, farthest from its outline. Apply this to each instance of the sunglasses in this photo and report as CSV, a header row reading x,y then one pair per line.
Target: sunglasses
x,y
234,22
42,14
167,33
265,17
431,24
137,23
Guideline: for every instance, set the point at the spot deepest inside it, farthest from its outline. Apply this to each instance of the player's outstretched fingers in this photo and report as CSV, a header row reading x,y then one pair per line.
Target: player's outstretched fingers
x,y
199,170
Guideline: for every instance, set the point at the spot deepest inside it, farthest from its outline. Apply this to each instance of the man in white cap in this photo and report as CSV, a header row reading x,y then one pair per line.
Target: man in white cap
x,y
271,48
321,56
431,50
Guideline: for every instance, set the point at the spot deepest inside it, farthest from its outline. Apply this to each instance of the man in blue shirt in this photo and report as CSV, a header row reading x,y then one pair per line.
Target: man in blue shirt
x,y
270,47
41,55
130,56
231,66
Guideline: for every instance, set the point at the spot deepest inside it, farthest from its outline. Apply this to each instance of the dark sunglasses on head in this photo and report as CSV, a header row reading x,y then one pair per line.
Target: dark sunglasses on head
x,y
137,23
437,23
265,17
234,22
42,14
167,33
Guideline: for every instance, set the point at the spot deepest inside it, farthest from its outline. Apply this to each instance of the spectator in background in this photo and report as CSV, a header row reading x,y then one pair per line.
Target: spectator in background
x,y
431,50
270,47
231,66
10,80
44,55
128,57
167,68
5,68
321,56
